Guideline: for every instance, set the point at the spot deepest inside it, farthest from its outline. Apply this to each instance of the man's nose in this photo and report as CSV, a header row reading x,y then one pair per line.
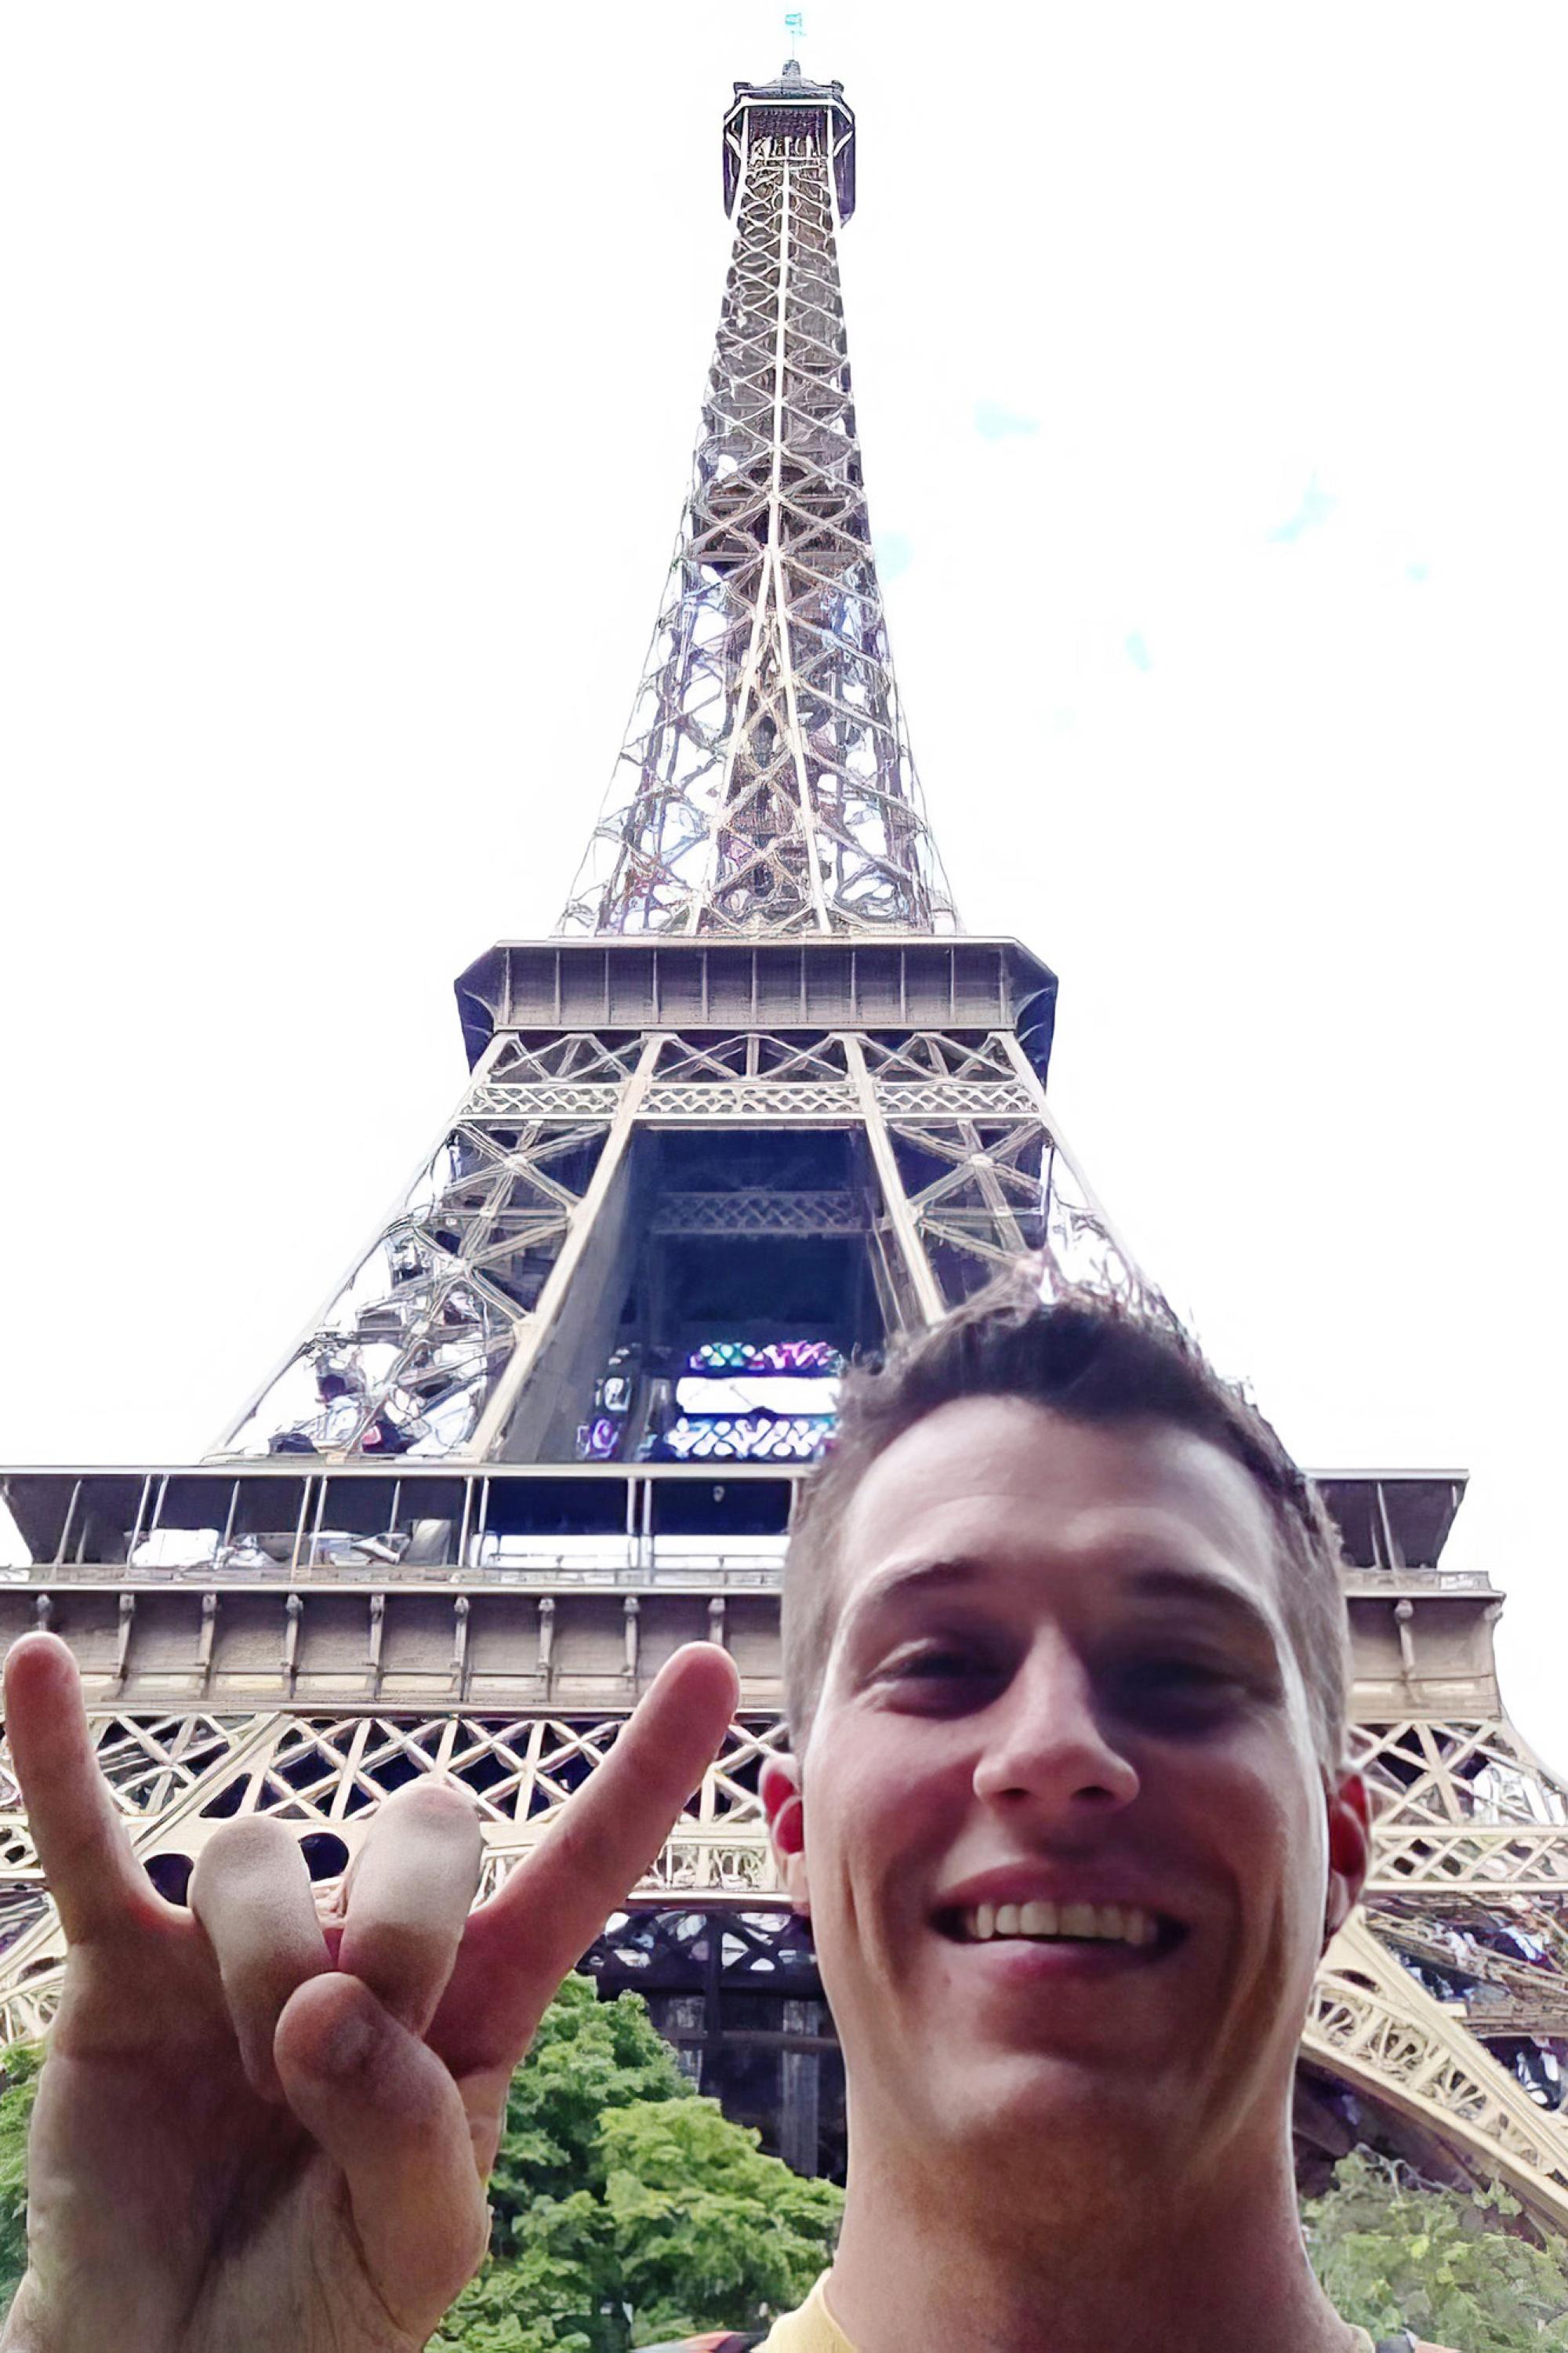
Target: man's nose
x,y
1044,1743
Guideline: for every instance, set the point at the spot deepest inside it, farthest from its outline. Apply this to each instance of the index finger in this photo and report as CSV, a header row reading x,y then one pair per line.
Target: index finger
x,y
523,1941
83,1845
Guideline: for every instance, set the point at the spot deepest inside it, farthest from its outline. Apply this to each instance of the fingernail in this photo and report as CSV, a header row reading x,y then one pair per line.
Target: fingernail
x,y
346,2046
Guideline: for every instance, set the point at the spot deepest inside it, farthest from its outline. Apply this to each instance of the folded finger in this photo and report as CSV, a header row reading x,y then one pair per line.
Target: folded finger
x,y
97,1883
380,2102
251,1891
522,1942
409,1896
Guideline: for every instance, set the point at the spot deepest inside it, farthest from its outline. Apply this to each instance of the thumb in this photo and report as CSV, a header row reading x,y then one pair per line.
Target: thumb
x,y
381,2103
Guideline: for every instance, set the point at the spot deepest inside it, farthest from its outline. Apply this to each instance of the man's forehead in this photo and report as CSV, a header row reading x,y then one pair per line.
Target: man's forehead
x,y
1024,1474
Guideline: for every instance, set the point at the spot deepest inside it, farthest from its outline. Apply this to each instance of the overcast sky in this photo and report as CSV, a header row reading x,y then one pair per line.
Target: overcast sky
x,y
1210,373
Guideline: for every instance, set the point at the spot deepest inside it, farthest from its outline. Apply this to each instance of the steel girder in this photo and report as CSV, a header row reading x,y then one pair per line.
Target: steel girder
x,y
404,1355
1373,2023
425,1348
766,784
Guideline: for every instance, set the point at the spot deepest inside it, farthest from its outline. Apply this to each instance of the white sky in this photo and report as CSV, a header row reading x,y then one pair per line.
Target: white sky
x,y
1211,377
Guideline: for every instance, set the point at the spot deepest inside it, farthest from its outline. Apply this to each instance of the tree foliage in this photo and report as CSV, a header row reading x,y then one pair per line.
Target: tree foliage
x,y
1394,2254
628,2208
18,2084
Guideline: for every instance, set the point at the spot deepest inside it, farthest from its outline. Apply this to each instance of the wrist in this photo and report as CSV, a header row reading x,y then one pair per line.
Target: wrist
x,y
42,2322
23,2330
32,2327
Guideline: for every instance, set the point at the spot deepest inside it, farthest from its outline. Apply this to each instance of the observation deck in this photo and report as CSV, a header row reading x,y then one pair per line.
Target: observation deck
x,y
551,1585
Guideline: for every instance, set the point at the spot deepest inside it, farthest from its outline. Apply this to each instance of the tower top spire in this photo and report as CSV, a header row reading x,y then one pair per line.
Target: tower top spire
x,y
766,784
790,107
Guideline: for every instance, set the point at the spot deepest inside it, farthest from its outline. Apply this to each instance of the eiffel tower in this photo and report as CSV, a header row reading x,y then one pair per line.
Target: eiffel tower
x,y
758,1102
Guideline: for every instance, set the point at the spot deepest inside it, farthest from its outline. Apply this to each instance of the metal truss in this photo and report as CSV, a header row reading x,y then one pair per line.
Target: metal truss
x,y
1502,1997
405,1354
977,1172
1385,2035
1430,1989
177,1777
426,1347
753,1210
766,784
1406,2040
768,1952
1469,1880
1468,1811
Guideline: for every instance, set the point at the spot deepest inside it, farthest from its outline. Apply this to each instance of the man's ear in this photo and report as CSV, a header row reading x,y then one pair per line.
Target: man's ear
x,y
786,1811
1350,1852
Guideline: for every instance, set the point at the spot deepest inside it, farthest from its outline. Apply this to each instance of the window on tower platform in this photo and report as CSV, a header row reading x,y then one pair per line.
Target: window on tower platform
x,y
750,1401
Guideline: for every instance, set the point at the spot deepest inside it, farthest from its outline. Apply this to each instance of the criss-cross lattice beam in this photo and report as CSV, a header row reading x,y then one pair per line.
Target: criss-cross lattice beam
x,y
443,1313
428,1347
766,784
177,1777
1373,2025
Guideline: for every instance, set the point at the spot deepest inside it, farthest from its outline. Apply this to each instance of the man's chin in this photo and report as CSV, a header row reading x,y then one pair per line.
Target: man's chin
x,y
1067,2101
1032,2142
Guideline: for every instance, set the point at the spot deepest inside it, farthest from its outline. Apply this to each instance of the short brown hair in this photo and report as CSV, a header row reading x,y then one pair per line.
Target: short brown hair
x,y
1096,1360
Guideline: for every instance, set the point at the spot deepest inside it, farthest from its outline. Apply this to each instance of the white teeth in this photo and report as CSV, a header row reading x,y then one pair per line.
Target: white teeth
x,y
1117,1924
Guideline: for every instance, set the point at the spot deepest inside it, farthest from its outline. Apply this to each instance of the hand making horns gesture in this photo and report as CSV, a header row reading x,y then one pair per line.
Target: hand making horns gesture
x,y
258,2135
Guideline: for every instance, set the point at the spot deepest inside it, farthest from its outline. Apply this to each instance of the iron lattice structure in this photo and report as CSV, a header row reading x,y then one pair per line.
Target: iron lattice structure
x,y
756,1105
766,784
951,1162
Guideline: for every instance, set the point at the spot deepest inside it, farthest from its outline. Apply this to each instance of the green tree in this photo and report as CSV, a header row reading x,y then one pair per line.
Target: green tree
x,y
628,2208
18,2085
587,2058
706,2231
1394,2254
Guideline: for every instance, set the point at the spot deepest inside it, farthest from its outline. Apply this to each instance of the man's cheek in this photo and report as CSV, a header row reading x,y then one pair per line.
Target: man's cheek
x,y
1279,1890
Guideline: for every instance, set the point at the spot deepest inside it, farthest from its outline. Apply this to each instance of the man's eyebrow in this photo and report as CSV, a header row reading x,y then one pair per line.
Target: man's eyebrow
x,y
908,1582
1245,1611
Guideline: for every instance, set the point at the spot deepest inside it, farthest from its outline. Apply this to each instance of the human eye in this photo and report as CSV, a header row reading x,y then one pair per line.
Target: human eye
x,y
936,1674
937,1659
1178,1691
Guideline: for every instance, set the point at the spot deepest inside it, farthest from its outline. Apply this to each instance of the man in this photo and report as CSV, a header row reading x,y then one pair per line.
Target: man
x,y
1068,1810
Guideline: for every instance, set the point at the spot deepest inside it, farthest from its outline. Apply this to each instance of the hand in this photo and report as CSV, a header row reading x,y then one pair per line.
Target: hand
x,y
258,2135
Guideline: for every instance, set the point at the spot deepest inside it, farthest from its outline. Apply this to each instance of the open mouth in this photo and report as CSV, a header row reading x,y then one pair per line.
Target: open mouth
x,y
1041,1922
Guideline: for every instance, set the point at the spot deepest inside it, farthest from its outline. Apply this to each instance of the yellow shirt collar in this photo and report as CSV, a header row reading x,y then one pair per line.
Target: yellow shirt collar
x,y
812,2329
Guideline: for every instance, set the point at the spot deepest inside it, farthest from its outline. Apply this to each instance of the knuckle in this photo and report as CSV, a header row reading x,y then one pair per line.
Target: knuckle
x,y
476,2241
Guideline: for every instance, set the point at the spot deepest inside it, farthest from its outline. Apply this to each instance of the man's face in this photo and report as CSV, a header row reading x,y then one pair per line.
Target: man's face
x,y
1065,1835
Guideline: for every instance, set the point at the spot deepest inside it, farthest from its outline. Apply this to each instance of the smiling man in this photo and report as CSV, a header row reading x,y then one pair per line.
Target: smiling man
x,y
1069,1811
1070,1815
